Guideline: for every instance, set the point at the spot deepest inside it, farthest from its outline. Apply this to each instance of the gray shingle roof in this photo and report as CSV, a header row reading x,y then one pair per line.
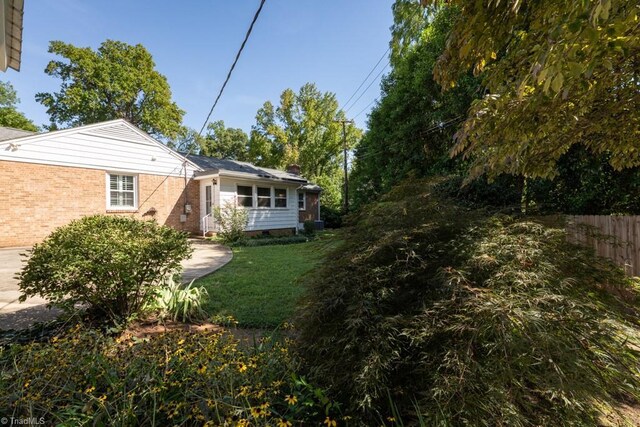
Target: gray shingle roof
x,y
11,133
211,164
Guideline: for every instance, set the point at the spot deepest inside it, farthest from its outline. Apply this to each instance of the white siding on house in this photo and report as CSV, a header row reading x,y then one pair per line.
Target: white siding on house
x,y
115,146
263,218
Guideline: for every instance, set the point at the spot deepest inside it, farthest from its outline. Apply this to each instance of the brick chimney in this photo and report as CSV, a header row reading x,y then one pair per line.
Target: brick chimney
x,y
293,169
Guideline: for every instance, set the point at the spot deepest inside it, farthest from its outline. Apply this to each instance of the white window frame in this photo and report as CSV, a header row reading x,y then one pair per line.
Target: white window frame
x,y
253,196
286,197
304,201
208,201
271,197
111,207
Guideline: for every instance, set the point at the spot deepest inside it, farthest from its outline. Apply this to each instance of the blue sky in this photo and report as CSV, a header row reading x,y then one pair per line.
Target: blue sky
x,y
333,43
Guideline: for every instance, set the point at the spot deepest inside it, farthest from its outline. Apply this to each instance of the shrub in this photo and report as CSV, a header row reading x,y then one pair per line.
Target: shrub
x,y
472,318
332,217
231,220
286,240
87,378
179,302
109,264
309,227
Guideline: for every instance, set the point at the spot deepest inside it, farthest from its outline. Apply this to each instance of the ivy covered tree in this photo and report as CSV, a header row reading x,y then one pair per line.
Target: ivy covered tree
x,y
557,74
116,81
303,130
9,114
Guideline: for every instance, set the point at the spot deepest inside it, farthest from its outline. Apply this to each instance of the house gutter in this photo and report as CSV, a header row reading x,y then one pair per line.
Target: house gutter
x,y
249,176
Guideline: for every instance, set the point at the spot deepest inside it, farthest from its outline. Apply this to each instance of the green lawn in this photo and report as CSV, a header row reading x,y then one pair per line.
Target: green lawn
x,y
261,285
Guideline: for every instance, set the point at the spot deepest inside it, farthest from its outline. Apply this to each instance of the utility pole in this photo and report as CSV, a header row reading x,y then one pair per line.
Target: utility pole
x,y
346,175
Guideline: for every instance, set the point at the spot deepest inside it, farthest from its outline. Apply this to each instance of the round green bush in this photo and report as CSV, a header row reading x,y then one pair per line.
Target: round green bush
x,y
110,265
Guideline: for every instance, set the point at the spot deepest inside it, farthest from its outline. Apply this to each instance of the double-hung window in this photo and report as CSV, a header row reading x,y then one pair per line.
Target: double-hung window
x,y
281,197
123,192
245,196
301,201
264,197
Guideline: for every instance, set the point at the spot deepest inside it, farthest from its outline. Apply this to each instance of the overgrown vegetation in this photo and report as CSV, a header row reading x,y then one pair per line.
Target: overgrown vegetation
x,y
84,377
473,318
109,264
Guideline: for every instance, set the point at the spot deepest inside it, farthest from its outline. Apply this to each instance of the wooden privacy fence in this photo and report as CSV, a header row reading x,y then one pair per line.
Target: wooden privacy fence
x,y
613,237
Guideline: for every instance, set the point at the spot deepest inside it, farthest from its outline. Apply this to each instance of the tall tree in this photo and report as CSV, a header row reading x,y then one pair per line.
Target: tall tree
x,y
303,130
9,114
225,143
411,128
116,81
557,74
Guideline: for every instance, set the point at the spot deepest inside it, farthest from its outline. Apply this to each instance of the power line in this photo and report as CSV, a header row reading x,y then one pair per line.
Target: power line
x,y
367,88
363,110
425,133
233,66
368,75
235,61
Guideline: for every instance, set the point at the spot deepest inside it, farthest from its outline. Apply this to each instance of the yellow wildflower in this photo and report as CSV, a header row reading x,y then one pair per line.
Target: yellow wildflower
x,y
242,423
90,390
181,342
291,399
284,423
391,419
202,369
329,422
242,367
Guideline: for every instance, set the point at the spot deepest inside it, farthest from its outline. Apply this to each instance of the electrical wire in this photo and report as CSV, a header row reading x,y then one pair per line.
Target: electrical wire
x,y
224,85
367,88
235,61
368,75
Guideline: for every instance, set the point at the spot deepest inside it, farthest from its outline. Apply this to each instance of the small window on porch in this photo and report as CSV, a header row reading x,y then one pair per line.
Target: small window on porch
x,y
264,197
245,196
281,197
302,201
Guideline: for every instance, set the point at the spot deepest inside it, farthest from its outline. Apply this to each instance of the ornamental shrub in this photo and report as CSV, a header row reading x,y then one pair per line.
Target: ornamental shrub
x,y
232,221
111,265
451,316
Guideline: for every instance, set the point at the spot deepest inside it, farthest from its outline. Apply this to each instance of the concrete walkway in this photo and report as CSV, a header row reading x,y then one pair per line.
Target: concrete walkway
x,y
207,257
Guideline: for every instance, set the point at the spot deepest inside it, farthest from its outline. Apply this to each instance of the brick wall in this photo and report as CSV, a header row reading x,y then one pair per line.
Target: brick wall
x,y
311,208
35,199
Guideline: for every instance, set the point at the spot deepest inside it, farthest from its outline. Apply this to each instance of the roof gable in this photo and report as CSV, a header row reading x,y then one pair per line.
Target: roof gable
x,y
115,144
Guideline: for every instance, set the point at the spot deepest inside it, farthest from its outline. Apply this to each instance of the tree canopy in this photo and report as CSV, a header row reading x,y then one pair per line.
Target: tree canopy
x,y
116,81
411,128
557,74
303,130
224,142
9,114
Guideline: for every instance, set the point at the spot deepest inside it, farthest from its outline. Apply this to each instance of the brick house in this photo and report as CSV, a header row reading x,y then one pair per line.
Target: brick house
x,y
114,168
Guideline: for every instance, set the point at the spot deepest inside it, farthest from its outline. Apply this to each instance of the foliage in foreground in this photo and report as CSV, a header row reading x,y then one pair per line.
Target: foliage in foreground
x,y
558,74
112,265
85,377
475,319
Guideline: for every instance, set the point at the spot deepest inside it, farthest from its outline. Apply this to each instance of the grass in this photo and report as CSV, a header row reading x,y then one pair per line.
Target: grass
x,y
260,287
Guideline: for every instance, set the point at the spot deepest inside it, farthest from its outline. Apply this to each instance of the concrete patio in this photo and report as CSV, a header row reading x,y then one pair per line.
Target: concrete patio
x,y
207,257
